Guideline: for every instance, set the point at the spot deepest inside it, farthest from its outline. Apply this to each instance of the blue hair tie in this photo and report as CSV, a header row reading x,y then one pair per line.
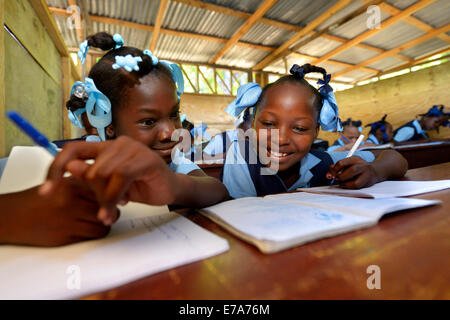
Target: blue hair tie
x,y
98,107
82,53
297,71
435,111
329,115
378,125
200,131
118,40
177,76
127,62
247,96
155,60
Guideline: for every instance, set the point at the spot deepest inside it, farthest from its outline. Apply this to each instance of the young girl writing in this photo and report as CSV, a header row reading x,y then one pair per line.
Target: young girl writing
x,y
133,101
351,132
294,109
417,128
380,132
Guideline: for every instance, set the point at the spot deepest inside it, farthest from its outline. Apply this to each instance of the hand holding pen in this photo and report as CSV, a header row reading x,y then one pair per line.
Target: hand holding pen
x,y
352,172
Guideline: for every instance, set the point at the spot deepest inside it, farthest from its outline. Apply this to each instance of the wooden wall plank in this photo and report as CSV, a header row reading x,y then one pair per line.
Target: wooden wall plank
x,y
32,92
2,81
24,23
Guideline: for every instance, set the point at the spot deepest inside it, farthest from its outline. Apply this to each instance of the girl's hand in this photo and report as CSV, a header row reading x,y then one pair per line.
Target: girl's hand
x,y
353,173
124,170
66,216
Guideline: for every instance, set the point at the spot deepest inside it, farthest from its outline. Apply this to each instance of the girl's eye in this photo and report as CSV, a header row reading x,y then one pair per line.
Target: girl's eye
x,y
147,122
299,129
175,115
267,123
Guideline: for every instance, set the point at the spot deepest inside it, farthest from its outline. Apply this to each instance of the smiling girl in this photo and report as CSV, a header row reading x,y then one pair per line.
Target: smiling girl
x,y
133,100
293,109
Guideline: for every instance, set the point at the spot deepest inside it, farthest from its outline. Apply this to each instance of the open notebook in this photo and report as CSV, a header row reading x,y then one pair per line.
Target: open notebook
x,y
146,240
277,222
385,189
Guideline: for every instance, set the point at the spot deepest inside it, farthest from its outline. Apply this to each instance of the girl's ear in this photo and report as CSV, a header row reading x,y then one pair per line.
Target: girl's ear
x,y
110,132
316,131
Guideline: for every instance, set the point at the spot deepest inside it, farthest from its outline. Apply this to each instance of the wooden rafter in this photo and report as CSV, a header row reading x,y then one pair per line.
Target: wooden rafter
x,y
262,9
283,50
158,23
187,77
425,37
206,80
386,7
80,35
369,33
415,62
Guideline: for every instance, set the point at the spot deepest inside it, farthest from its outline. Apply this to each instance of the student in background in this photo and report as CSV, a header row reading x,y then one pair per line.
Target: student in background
x,y
241,108
139,161
352,130
380,132
417,128
296,109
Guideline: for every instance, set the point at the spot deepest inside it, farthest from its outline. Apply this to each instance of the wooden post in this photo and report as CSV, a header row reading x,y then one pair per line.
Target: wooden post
x,y
2,81
66,72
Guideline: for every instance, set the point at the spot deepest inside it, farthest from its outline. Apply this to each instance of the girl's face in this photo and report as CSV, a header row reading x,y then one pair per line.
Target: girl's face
x,y
149,114
289,108
389,133
351,133
431,123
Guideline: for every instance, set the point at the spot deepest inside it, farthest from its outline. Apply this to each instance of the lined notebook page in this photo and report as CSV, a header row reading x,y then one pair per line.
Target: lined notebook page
x,y
138,245
386,189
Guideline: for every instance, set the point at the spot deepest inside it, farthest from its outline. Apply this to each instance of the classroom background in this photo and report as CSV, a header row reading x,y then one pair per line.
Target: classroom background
x,y
385,57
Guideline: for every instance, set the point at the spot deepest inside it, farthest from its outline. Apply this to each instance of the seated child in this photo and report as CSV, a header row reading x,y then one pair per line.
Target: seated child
x,y
351,132
380,132
240,108
134,99
292,109
417,128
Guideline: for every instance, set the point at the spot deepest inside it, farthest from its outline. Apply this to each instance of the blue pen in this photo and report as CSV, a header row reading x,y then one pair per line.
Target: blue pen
x,y
34,134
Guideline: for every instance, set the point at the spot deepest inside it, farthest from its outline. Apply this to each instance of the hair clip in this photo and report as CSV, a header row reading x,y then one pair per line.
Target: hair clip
x,y
297,71
82,53
79,90
155,60
119,41
127,62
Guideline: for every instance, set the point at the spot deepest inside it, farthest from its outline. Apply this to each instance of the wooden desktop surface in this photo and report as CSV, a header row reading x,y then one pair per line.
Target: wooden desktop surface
x,y
412,249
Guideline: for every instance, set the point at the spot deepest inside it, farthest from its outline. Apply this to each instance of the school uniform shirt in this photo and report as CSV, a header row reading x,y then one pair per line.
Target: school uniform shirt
x,y
219,142
245,180
337,144
410,131
2,165
372,139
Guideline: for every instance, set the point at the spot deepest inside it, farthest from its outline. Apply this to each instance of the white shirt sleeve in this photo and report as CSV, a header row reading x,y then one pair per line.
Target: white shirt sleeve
x,y
365,155
182,165
404,134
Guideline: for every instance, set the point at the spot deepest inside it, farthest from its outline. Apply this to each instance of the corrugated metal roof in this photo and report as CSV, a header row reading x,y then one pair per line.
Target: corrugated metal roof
x,y
425,48
331,68
436,14
355,26
267,35
318,47
354,76
355,55
298,12
179,16
191,19
242,57
395,35
386,63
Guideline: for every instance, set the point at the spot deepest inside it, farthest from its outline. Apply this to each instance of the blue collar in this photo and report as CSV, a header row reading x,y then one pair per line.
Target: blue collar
x,y
372,139
419,129
307,163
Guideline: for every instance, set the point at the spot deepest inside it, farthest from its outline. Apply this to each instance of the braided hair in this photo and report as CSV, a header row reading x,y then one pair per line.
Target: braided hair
x,y
114,83
296,77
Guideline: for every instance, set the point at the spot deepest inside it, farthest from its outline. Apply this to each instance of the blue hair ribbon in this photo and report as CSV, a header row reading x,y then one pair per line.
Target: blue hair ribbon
x,y
118,40
329,114
297,71
435,111
247,96
98,107
128,62
155,60
82,53
177,76
378,125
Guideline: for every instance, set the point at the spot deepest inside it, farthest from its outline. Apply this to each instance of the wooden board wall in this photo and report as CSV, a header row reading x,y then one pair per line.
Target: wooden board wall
x,y
2,79
32,77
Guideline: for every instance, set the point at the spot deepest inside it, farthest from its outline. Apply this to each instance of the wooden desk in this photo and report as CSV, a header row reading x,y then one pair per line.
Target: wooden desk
x,y
411,248
422,156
